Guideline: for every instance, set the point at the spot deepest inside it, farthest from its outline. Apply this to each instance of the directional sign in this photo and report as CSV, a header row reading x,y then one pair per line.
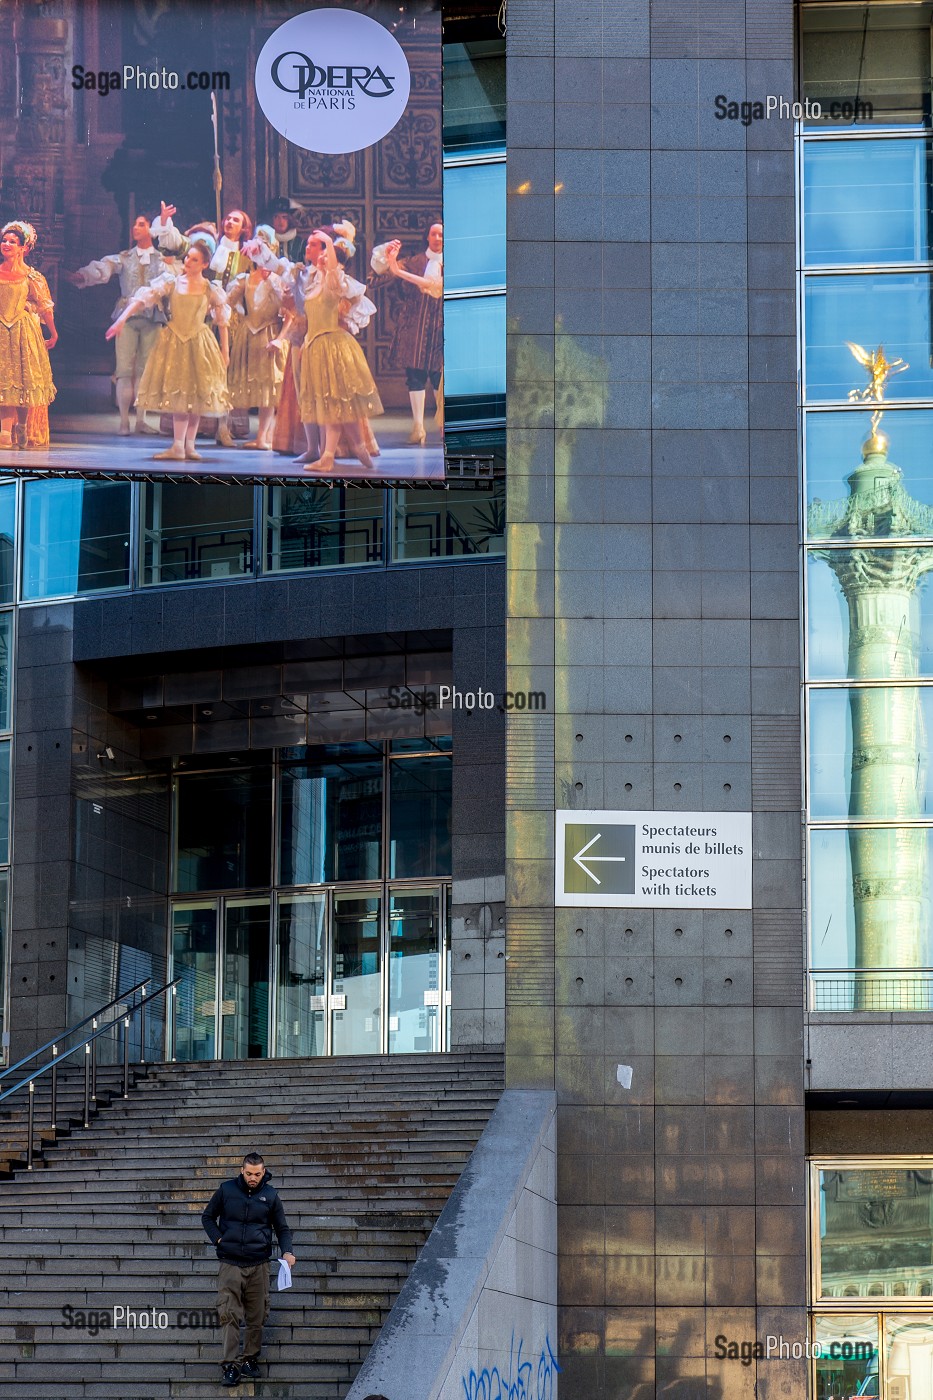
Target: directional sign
x,y
599,857
654,860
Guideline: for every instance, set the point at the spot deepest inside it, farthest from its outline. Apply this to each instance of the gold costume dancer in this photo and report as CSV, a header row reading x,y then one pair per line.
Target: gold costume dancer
x,y
186,373
337,389
25,306
257,359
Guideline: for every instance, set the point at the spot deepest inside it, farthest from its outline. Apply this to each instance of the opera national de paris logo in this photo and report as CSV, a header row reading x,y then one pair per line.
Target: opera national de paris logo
x,y
332,81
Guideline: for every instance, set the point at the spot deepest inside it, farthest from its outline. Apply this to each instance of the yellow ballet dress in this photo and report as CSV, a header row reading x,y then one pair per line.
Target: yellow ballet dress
x,y
255,373
336,383
185,372
25,368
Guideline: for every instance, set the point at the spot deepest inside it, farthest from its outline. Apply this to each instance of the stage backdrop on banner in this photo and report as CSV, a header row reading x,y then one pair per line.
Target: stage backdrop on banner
x,y
324,115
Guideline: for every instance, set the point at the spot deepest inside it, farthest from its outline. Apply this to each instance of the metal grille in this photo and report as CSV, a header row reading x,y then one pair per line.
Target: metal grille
x,y
891,989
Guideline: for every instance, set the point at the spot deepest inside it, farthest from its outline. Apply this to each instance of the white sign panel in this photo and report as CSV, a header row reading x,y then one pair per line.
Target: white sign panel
x,y
332,81
654,860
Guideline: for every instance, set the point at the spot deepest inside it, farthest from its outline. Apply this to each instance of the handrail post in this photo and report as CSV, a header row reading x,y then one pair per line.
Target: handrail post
x,y
142,1031
171,1028
126,1057
30,1124
54,1087
94,1064
87,1086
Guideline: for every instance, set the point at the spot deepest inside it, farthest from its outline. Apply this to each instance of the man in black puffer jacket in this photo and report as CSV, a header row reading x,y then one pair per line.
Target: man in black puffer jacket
x,y
240,1219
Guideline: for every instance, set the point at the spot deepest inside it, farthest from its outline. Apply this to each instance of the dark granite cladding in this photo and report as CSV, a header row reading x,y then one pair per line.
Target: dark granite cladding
x,y
653,590
92,832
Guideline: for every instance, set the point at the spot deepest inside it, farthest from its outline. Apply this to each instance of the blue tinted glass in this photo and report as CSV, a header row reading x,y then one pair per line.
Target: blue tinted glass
x,y
77,537
474,346
845,932
419,816
869,753
7,531
474,218
900,650
866,201
5,800
889,309
901,478
330,826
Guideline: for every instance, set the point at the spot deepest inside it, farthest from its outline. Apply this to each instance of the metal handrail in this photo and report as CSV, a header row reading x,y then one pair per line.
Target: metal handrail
x,y
57,1039
89,1046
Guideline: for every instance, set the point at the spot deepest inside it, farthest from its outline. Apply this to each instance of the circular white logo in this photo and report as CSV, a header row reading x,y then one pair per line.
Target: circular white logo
x,y
332,81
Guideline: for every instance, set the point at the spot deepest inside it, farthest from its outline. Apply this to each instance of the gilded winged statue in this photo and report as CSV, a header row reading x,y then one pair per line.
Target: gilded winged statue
x,y
880,369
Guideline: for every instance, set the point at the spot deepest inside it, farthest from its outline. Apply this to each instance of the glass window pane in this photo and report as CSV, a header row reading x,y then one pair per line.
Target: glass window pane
x,y
194,949
848,1365
356,976
316,527
196,531
223,830
449,524
4,936
474,94
300,1028
331,822
866,201
77,537
474,347
844,640
7,533
876,54
244,1005
415,990
419,816
6,670
889,309
876,1226
908,1343
870,903
4,800
854,491
869,753
474,217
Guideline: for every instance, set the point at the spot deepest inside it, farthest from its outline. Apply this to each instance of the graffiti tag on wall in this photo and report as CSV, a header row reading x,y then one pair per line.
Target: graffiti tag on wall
x,y
522,1380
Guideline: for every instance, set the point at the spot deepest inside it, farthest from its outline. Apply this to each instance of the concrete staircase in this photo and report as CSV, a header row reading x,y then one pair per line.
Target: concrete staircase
x,y
364,1152
69,1110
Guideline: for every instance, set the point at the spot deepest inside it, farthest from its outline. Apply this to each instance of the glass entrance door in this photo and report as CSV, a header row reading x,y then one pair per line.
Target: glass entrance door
x,y
415,981
194,959
356,996
301,987
220,951
244,993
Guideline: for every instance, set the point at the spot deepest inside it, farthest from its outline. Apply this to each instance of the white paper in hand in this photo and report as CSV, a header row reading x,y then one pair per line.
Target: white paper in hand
x,y
285,1275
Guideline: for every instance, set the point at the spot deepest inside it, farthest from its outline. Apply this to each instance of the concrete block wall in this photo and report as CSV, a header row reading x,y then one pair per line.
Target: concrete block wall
x,y
653,590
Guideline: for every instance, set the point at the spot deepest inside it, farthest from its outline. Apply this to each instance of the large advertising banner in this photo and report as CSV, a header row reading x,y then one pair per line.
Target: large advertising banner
x,y
221,240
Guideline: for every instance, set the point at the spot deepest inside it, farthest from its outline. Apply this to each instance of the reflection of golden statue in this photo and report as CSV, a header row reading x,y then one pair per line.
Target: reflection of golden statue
x,y
880,370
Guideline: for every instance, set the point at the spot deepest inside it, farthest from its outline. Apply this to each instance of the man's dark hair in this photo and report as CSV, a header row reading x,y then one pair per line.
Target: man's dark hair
x,y
376,1397
253,1159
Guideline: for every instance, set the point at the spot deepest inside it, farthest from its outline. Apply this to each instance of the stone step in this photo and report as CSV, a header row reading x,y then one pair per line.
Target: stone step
x,y
365,1153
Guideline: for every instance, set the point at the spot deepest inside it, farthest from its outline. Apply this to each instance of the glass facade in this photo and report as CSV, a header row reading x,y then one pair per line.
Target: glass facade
x,y
867,64
871,1279
310,913
867,415
474,234
91,537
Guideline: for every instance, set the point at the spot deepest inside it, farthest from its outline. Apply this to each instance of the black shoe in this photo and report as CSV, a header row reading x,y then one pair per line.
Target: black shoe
x,y
249,1367
231,1375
